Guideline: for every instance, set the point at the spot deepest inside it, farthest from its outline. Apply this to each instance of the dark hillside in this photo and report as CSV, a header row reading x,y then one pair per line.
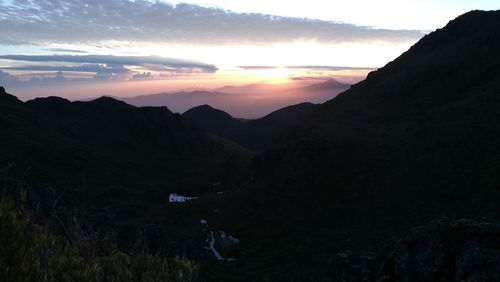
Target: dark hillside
x,y
109,151
418,139
257,134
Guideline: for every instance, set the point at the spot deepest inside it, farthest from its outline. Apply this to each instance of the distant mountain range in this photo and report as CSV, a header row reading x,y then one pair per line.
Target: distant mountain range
x,y
255,88
250,101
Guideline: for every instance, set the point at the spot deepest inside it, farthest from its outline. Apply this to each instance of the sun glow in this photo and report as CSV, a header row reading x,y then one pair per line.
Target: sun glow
x,y
271,75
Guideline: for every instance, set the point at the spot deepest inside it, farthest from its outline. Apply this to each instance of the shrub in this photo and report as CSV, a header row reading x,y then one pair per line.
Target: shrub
x,y
31,251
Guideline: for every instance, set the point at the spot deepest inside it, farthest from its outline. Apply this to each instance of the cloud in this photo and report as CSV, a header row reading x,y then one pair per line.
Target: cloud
x,y
258,67
322,68
114,60
102,68
92,68
90,21
308,78
7,78
64,50
329,68
142,76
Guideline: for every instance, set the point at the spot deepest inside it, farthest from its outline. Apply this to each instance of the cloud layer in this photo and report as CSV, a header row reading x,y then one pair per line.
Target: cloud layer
x,y
159,62
324,68
90,21
103,67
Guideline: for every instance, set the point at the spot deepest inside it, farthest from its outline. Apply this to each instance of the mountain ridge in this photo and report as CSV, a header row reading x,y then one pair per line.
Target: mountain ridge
x,y
417,140
102,132
243,102
255,134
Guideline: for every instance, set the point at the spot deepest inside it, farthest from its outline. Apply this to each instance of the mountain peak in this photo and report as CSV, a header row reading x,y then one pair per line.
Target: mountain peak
x,y
325,85
211,119
109,101
331,82
204,107
6,97
476,16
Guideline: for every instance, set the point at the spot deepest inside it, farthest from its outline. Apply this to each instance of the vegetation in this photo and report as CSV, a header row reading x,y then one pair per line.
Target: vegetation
x,y
417,140
30,250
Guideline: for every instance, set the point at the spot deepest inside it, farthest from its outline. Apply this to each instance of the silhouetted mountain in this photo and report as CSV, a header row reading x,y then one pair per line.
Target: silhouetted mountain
x,y
249,101
213,120
261,133
417,140
111,167
183,98
108,143
329,85
436,87
256,134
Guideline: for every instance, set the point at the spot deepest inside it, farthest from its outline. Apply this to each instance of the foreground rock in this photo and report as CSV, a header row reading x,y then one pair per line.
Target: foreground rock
x,y
443,250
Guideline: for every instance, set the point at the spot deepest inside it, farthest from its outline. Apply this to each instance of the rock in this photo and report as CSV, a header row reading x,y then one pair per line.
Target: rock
x,y
351,267
476,263
443,250
2,91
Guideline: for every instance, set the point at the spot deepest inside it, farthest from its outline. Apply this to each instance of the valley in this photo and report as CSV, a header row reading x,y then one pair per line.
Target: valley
x,y
395,178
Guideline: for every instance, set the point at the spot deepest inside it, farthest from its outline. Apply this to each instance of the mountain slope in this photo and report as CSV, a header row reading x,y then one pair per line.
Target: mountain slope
x,y
106,142
417,140
423,128
446,83
213,120
257,134
260,134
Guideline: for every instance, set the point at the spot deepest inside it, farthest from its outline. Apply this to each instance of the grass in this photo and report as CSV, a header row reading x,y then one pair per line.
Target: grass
x,y
32,250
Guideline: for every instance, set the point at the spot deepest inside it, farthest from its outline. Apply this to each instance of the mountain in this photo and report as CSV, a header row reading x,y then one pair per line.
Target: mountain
x,y
414,142
112,167
213,120
257,134
255,88
116,150
327,85
250,101
182,99
260,134
432,93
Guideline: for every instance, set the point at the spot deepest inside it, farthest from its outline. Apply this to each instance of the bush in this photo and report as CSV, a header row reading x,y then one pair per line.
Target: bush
x,y
30,251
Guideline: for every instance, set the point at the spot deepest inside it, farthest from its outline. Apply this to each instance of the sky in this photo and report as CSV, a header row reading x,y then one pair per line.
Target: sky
x,y
88,48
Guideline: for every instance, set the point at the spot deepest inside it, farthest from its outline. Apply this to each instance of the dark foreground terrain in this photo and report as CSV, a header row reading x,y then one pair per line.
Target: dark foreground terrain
x,y
396,179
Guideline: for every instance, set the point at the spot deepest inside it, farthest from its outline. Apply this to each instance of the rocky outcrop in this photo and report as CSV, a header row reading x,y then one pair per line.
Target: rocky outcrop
x,y
443,250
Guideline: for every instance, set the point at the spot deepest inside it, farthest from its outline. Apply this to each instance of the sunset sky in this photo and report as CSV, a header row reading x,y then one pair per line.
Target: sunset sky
x,y
89,48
